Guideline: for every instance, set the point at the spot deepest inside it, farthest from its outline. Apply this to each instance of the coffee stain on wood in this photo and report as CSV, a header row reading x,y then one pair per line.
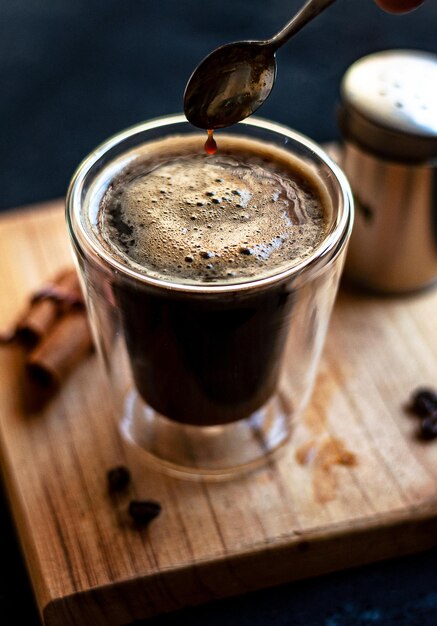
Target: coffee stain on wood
x,y
322,457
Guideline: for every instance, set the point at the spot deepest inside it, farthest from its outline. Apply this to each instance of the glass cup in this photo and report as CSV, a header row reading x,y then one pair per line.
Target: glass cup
x,y
207,378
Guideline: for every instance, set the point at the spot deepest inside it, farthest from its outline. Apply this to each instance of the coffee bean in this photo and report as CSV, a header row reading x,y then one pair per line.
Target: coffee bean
x,y
428,427
424,401
118,478
144,511
247,251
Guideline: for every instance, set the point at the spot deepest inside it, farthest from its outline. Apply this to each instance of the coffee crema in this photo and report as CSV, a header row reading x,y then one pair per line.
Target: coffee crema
x,y
179,215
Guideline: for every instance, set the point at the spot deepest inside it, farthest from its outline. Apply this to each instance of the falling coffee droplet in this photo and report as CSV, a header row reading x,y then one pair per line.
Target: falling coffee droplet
x,y
210,143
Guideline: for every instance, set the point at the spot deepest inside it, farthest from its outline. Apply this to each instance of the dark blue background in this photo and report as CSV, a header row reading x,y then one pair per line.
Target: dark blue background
x,y
73,72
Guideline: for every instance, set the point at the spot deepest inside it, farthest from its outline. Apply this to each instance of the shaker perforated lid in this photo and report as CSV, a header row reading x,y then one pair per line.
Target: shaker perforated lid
x,y
389,104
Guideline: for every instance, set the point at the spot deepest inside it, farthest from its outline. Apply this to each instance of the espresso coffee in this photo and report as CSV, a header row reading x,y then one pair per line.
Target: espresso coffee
x,y
169,211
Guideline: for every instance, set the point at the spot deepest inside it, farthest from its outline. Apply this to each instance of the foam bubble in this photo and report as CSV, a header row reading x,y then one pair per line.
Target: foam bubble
x,y
236,214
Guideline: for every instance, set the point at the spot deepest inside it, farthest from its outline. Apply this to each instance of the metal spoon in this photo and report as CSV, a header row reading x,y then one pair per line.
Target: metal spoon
x,y
234,80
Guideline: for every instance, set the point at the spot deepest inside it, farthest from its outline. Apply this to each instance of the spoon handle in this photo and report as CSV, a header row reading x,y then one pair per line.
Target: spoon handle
x,y
310,9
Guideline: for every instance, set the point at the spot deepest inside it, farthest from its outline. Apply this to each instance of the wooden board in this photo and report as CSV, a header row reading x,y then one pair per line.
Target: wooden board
x,y
90,566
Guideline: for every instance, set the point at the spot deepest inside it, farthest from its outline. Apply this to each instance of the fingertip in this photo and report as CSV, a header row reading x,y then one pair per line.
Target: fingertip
x,y
398,6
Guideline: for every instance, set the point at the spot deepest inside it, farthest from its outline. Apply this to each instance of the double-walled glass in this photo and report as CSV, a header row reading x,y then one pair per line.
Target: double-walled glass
x,y
207,378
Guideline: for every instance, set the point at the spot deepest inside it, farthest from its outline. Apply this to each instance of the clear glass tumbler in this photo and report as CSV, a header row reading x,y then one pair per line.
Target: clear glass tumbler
x,y
207,378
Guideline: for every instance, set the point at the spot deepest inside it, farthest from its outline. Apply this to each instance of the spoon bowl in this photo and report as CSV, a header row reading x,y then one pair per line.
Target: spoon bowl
x,y
234,80
230,84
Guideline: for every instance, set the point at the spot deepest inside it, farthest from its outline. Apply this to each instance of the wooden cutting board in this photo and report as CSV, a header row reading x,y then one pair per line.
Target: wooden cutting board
x,y
295,518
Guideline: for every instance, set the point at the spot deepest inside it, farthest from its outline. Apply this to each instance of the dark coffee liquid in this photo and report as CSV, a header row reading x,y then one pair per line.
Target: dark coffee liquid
x,y
205,360
208,358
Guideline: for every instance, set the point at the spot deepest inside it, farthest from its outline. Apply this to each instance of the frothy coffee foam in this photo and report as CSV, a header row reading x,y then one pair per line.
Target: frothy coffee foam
x,y
181,215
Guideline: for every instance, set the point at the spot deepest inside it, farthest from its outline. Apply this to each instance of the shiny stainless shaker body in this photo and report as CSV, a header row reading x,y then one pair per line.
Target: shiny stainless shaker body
x,y
388,117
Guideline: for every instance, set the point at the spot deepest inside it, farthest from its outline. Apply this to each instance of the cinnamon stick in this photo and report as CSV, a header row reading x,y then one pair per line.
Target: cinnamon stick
x,y
46,306
37,322
57,354
55,332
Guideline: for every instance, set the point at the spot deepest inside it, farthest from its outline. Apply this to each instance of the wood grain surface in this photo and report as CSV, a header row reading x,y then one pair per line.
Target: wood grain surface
x,y
353,486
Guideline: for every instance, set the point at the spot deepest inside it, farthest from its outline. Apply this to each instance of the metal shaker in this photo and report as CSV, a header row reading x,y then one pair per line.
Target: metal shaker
x,y
388,118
